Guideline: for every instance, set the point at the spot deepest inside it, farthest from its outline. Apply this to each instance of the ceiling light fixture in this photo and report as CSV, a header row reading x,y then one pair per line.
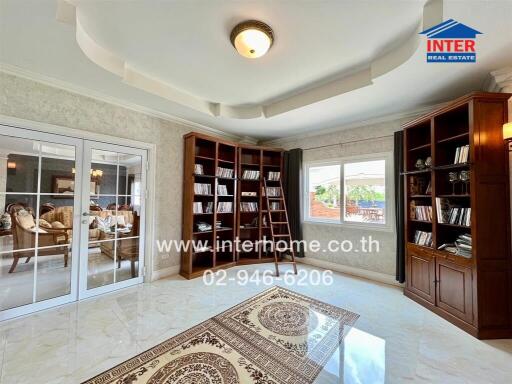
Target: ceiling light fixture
x,y
252,38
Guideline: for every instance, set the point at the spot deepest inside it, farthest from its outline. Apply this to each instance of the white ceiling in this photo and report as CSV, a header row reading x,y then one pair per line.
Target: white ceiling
x,y
186,44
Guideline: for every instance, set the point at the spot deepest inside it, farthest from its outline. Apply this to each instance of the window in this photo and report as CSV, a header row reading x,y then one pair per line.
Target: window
x,y
352,191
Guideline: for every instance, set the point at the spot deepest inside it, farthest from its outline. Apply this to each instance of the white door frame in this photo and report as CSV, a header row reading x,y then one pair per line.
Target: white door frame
x,y
34,128
73,294
83,292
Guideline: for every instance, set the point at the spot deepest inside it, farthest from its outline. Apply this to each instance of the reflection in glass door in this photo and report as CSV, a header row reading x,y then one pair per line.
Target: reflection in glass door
x,y
112,218
38,252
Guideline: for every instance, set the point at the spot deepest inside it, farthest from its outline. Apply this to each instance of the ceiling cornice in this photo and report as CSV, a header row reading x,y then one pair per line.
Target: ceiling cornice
x,y
69,87
363,123
343,83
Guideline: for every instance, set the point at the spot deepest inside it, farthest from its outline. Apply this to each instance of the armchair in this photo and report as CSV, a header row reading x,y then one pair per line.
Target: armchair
x,y
24,239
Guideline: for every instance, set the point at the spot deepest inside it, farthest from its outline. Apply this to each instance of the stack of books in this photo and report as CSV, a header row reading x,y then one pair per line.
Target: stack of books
x,y
198,169
274,176
273,191
224,172
203,227
251,194
461,155
248,206
250,175
461,247
224,207
202,189
423,212
423,238
222,190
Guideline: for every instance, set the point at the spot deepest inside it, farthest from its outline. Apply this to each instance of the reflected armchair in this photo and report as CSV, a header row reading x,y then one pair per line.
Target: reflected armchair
x,y
24,239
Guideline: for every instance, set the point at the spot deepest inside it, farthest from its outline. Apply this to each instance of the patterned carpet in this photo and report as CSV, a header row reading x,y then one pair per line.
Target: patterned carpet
x,y
276,337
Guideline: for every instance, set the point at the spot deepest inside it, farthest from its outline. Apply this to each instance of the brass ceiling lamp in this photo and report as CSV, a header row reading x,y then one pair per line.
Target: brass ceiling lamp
x,y
252,38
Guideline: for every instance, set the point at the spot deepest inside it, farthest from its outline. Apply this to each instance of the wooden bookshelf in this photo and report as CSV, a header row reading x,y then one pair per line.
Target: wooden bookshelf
x,y
471,292
212,153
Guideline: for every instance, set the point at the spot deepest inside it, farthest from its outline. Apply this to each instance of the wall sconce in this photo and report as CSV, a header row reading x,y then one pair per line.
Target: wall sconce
x,y
507,135
11,165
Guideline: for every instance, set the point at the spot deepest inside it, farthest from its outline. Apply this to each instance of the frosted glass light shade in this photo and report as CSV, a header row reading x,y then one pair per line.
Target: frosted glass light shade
x,y
252,39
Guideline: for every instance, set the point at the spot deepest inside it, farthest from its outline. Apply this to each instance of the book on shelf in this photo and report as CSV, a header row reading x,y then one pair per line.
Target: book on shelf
x,y
198,207
224,207
203,227
250,174
272,192
202,189
274,176
461,247
423,212
226,173
222,190
423,238
450,213
275,205
246,206
249,194
461,155
198,169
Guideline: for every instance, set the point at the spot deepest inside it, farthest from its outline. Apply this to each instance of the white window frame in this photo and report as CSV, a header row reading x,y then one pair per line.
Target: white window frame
x,y
389,191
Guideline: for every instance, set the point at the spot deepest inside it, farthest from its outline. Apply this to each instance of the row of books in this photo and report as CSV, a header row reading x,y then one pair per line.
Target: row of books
x,y
450,213
224,207
198,207
423,238
419,186
224,172
222,190
248,206
423,212
198,169
273,192
461,247
274,176
461,155
275,205
250,174
202,189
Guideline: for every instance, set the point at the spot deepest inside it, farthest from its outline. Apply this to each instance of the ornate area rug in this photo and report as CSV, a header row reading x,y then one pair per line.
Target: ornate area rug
x,y
276,337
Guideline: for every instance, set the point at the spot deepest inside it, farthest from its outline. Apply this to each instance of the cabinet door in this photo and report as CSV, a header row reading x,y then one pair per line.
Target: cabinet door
x,y
421,275
454,289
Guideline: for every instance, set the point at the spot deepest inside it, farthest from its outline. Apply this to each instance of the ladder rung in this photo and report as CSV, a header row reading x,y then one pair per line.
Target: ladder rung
x,y
281,235
276,210
278,222
275,198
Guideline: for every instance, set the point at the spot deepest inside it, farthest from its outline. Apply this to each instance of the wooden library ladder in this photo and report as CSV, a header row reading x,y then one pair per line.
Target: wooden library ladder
x,y
279,235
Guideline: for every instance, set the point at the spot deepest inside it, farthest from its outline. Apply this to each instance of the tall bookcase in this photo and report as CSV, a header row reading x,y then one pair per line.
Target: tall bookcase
x,y
473,287
212,155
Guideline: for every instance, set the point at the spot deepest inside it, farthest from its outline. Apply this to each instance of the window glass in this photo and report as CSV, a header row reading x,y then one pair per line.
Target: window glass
x,y
324,192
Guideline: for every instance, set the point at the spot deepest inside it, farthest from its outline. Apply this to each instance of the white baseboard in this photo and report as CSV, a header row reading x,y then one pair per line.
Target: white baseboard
x,y
364,273
165,272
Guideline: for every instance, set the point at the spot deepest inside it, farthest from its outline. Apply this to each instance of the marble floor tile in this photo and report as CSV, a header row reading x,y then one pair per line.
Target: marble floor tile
x,y
394,340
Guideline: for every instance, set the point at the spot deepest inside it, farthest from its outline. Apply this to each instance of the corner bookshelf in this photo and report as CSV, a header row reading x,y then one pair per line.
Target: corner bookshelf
x,y
466,189
213,155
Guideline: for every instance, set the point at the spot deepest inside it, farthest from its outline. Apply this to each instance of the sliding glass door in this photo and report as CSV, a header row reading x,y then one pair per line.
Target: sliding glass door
x,y
71,219
112,218
38,250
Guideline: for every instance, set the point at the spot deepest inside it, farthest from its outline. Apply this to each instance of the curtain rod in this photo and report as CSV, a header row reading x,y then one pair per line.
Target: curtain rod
x,y
346,142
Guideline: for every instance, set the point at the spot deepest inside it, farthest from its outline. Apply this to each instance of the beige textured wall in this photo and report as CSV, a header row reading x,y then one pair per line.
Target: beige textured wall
x,y
368,139
34,101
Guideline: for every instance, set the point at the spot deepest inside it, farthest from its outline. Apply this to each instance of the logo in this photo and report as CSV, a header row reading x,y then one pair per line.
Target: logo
x,y
451,42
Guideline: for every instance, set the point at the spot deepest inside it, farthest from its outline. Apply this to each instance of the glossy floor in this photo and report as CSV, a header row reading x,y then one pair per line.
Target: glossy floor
x,y
394,340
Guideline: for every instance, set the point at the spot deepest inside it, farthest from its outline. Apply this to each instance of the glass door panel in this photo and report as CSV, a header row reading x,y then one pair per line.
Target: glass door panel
x,y
37,202
112,224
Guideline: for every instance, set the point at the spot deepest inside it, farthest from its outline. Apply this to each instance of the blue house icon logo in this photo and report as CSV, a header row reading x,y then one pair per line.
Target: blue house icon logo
x,y
451,42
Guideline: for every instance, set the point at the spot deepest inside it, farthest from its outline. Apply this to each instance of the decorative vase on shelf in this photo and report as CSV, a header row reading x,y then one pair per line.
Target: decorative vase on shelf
x,y
420,164
428,162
